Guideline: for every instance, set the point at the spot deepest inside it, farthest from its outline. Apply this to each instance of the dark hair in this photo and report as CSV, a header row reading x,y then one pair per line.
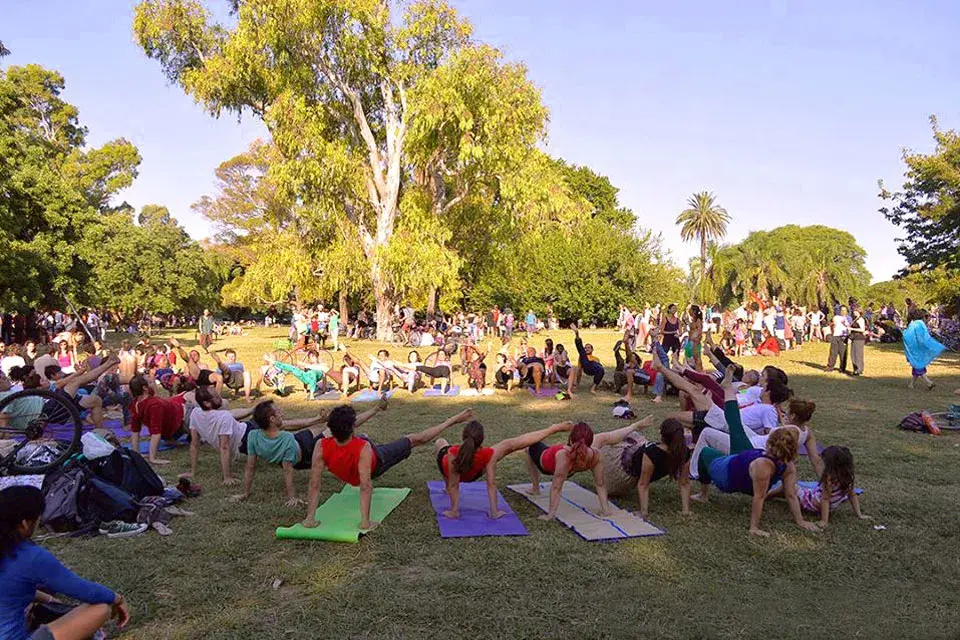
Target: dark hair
x,y
204,397
837,469
696,313
671,434
138,384
229,352
802,410
19,374
778,392
341,422
51,370
262,413
472,439
548,346
16,505
384,352
776,373
560,348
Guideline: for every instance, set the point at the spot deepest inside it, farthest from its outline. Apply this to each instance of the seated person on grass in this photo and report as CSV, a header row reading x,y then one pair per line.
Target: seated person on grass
x,y
31,574
162,416
203,375
579,453
532,369
220,428
749,470
589,363
442,370
380,370
69,386
347,377
235,377
467,461
358,461
273,442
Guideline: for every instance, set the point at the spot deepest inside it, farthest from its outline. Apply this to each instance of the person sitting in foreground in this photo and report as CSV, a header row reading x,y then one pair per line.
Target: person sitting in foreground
x,y
467,461
580,453
358,461
31,574
634,463
273,442
749,470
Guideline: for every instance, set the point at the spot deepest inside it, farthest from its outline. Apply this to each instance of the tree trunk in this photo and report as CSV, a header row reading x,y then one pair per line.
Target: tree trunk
x,y
384,306
703,261
344,309
432,301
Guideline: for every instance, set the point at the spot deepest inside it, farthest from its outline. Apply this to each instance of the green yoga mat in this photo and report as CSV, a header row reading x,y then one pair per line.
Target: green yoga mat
x,y
339,516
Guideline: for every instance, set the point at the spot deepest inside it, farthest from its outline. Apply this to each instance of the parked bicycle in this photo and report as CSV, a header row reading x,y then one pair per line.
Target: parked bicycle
x,y
44,428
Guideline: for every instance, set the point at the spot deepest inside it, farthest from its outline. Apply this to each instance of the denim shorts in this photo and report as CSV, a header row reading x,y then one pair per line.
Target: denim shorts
x,y
390,454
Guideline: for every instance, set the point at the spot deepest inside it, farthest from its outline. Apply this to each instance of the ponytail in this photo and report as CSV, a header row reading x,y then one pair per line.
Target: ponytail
x,y
671,434
472,439
581,439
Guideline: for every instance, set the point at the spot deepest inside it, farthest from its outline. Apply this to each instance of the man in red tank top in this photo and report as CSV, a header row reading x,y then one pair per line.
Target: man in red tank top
x,y
357,461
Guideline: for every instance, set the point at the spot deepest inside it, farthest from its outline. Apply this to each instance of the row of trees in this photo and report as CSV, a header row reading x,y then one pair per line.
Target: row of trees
x,y
59,232
404,163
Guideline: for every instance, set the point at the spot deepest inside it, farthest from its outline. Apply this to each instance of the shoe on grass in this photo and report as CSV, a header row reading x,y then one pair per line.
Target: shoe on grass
x,y
118,529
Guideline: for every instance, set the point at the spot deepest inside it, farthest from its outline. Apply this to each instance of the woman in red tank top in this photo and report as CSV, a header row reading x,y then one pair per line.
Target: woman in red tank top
x,y
562,460
469,460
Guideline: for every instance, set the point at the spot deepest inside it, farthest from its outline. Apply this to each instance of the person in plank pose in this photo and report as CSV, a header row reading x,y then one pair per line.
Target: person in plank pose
x,y
579,453
275,442
358,461
749,470
635,463
467,461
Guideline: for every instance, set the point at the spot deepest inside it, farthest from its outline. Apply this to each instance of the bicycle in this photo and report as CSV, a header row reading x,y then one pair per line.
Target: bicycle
x,y
46,427
406,338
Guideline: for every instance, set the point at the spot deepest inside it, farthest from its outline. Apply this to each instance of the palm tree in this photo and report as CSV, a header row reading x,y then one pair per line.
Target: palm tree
x,y
703,220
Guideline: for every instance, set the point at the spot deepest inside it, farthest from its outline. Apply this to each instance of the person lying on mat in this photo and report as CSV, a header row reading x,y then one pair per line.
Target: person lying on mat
x,y
467,461
749,470
219,427
635,463
273,442
580,453
163,417
30,574
358,461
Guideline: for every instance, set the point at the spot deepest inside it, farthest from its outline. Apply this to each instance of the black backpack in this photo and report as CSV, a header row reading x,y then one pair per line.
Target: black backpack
x,y
128,470
61,491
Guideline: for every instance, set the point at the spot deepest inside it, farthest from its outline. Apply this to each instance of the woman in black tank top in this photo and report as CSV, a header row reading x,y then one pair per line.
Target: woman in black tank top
x,y
669,457
670,329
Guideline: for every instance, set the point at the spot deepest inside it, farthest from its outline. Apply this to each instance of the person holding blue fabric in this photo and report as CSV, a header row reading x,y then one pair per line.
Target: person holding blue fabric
x,y
920,347
749,470
31,574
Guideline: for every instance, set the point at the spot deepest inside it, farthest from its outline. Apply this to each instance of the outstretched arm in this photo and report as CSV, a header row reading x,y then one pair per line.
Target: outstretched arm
x,y
453,490
491,473
556,487
790,492
600,485
643,485
366,487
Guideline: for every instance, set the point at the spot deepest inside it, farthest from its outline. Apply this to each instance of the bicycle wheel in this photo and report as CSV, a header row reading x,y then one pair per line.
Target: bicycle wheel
x,y
46,426
325,359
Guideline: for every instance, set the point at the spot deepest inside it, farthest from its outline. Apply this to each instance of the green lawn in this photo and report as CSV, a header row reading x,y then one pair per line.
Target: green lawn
x,y
706,578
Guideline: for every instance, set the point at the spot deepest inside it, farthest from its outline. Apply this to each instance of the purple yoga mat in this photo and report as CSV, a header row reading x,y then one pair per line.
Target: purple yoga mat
x,y
65,431
474,520
545,392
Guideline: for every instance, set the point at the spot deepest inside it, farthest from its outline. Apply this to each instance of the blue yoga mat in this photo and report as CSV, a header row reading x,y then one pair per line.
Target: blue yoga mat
x,y
369,395
474,520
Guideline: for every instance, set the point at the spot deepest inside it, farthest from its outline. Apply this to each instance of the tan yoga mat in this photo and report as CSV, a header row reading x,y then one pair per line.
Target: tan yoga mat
x,y
578,509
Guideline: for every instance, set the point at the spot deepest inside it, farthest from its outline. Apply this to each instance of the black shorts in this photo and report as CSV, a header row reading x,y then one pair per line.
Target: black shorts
x,y
243,441
699,423
502,378
307,442
535,451
562,370
390,454
441,454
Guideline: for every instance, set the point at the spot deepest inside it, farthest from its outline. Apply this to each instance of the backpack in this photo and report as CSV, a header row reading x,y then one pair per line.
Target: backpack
x,y
61,491
101,501
921,422
128,470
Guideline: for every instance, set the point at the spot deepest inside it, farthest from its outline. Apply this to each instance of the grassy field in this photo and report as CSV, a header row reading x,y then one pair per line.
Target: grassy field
x,y
706,579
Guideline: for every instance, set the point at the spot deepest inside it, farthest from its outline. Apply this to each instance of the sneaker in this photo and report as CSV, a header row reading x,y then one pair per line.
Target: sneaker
x,y
118,529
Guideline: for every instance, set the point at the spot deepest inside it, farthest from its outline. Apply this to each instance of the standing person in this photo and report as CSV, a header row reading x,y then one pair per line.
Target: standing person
x,y
858,335
334,327
531,323
756,326
695,336
838,340
508,321
816,319
29,573
205,329
670,330
920,347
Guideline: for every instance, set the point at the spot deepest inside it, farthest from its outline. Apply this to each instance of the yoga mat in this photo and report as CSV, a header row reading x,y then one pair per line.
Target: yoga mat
x,y
474,520
545,392
577,511
452,392
165,445
329,396
369,395
339,516
65,431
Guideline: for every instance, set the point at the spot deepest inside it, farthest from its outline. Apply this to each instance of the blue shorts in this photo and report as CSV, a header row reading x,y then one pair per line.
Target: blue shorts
x,y
390,454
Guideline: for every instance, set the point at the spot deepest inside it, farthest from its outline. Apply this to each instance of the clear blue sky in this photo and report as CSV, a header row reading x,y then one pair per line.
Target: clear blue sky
x,y
788,110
